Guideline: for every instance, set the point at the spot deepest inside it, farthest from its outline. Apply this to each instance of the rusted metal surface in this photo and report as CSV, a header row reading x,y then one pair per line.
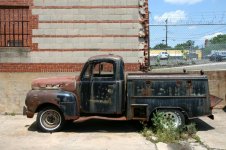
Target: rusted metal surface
x,y
67,83
105,57
85,118
214,100
65,101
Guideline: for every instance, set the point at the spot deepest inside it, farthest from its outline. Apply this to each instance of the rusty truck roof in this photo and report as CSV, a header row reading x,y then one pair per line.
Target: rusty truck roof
x,y
109,56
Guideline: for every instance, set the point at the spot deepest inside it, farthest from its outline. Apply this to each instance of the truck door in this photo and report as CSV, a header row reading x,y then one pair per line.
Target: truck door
x,y
100,92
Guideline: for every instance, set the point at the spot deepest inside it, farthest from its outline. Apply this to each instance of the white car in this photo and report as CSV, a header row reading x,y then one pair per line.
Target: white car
x,y
163,55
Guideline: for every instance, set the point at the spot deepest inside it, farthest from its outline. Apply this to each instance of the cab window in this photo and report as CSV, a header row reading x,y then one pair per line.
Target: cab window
x,y
103,70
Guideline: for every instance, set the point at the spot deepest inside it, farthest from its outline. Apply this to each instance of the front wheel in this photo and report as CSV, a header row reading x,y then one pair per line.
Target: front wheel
x,y
50,119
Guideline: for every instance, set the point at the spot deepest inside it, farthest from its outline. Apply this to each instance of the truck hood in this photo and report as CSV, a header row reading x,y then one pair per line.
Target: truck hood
x,y
67,83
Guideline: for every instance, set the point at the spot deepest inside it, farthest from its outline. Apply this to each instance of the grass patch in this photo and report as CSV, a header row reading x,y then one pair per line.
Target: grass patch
x,y
10,114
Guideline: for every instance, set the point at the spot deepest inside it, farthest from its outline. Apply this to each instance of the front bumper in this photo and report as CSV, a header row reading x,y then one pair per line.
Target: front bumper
x,y
27,113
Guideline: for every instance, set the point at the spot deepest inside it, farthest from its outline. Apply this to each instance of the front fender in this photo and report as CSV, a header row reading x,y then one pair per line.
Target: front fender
x,y
65,101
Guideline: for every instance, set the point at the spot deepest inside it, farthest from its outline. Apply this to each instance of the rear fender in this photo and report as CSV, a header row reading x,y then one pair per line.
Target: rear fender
x,y
174,108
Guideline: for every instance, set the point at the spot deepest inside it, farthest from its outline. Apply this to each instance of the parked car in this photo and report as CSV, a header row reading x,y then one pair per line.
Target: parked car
x,y
163,55
217,55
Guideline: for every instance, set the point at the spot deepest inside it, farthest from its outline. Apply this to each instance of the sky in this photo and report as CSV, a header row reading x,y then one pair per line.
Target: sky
x,y
190,12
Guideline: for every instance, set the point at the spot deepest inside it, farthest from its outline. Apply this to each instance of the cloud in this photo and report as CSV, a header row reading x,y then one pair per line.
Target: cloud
x,y
192,27
172,16
190,2
210,36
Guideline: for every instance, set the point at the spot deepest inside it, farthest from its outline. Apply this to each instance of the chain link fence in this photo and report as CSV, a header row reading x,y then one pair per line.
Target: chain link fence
x,y
186,44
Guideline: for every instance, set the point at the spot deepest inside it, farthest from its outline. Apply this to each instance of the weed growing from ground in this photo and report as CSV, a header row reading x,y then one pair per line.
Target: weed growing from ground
x,y
10,114
163,130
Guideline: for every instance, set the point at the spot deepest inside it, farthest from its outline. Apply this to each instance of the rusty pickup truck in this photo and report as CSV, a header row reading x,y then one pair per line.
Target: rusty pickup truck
x,y
103,89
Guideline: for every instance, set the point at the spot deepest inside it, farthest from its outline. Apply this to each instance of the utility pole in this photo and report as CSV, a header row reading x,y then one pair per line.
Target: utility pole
x,y
166,33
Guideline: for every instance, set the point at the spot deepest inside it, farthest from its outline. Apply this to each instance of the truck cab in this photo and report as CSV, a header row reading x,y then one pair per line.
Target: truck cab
x,y
98,90
101,86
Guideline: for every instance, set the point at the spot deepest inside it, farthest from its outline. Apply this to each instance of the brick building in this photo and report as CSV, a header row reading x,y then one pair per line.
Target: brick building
x,y
42,36
41,33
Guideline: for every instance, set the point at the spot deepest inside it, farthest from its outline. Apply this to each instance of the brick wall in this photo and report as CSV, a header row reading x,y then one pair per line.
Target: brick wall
x,y
51,67
16,2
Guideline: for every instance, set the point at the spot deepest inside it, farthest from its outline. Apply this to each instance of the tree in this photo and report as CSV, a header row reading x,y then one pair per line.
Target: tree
x,y
220,39
187,45
161,46
216,43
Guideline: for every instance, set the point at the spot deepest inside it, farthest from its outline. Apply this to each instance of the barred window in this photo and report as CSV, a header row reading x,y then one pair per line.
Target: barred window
x,y
14,26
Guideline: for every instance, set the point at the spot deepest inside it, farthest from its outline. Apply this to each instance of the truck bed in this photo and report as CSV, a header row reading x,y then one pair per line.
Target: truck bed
x,y
147,92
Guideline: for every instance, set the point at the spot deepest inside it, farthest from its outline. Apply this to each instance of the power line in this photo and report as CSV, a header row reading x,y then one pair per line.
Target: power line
x,y
194,18
207,24
210,31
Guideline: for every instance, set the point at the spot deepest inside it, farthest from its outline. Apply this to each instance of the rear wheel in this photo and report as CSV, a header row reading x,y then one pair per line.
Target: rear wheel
x,y
175,116
50,119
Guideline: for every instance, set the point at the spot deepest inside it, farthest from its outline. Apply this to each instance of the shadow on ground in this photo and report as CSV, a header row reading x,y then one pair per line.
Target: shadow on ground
x,y
32,127
224,109
98,125
201,125
115,126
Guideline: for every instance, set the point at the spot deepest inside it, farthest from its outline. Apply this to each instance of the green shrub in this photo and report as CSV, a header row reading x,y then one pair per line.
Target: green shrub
x,y
191,129
164,128
193,62
164,131
11,114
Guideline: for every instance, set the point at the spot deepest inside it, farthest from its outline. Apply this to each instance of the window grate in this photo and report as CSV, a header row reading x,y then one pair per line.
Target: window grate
x,y
14,26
